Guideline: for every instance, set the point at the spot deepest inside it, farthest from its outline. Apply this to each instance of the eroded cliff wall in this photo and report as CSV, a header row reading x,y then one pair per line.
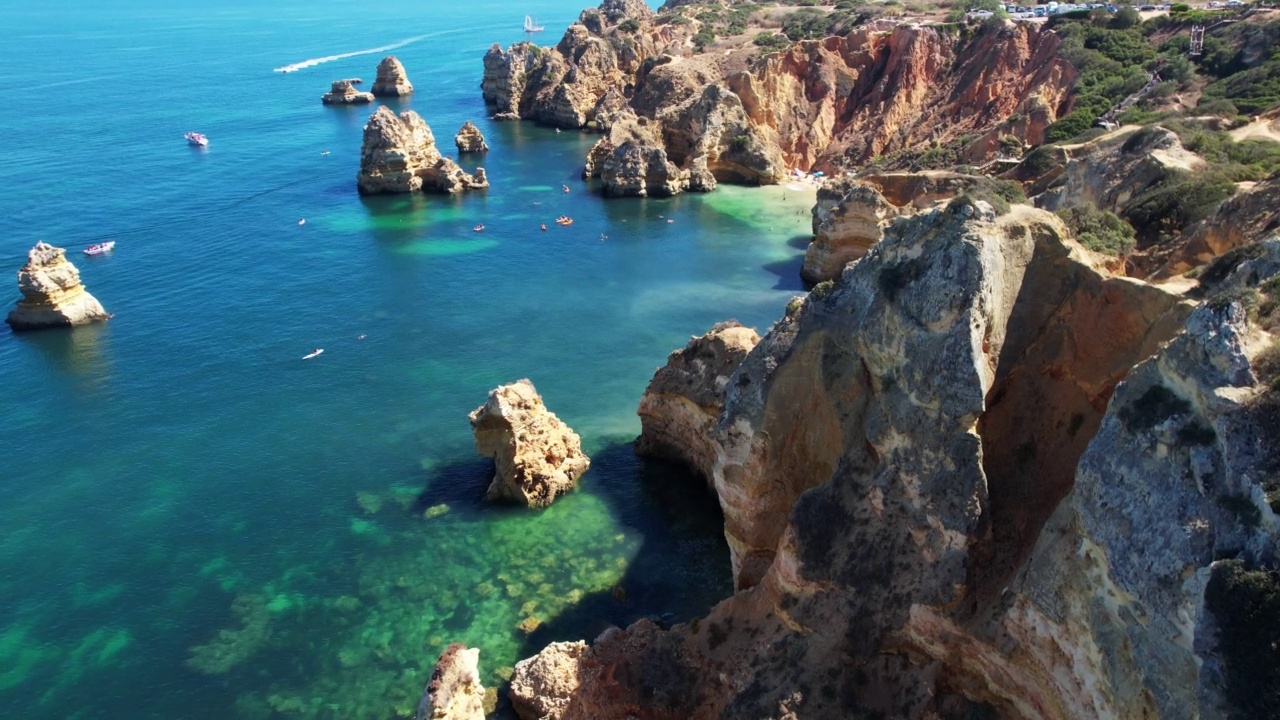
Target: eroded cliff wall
x,y
817,105
976,473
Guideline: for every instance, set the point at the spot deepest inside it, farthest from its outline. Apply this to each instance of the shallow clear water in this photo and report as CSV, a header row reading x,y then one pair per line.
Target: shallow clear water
x,y
198,524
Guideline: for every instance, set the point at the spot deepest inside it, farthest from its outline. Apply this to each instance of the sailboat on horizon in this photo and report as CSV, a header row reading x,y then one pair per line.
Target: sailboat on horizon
x,y
530,26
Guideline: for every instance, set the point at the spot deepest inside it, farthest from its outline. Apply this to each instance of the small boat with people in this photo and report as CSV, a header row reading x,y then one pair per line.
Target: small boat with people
x,y
479,228
196,139
313,353
100,248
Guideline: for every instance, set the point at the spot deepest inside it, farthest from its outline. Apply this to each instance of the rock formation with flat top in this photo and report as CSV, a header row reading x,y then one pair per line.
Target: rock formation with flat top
x,y
455,692
684,400
52,295
469,139
391,80
536,456
399,155
343,92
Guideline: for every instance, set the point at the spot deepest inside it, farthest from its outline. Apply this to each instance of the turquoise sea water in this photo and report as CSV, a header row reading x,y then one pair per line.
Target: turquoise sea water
x,y
196,523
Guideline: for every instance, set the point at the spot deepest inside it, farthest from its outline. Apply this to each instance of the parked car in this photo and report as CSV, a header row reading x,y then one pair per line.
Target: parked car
x,y
1040,11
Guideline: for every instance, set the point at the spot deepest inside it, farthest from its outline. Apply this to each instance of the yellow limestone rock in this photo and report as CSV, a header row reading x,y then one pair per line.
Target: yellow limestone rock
x,y
536,456
399,155
455,692
52,295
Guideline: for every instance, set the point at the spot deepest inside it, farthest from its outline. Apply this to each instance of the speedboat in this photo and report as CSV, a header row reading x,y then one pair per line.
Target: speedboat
x,y
100,248
197,139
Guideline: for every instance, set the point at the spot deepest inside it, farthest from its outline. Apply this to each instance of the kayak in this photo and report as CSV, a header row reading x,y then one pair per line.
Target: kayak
x,y
308,356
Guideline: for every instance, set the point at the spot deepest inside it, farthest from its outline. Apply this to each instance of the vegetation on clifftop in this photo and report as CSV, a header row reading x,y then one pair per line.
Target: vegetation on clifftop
x,y
1246,604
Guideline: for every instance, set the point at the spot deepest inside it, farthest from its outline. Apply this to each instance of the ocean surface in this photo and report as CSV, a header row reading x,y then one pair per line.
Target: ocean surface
x,y
198,524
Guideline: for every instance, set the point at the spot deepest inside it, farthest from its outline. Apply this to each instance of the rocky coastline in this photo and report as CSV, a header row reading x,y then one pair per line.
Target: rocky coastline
x,y
677,121
957,570
983,468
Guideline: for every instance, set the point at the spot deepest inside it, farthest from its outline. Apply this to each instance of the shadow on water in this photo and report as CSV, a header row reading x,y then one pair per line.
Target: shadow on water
x,y
788,272
682,568
460,484
76,350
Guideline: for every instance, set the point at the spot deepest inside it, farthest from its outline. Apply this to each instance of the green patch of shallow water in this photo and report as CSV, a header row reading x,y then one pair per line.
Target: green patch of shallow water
x,y
432,568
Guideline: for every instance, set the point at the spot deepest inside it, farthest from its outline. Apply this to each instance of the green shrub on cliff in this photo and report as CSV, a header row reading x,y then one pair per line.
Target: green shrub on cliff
x,y
1182,198
771,41
1110,62
1246,605
1099,230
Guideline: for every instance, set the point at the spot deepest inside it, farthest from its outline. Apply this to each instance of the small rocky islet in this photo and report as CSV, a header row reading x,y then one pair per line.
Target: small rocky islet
x,y
52,295
1012,455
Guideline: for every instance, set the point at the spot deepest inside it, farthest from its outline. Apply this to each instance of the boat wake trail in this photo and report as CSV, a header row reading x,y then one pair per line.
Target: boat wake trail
x,y
330,58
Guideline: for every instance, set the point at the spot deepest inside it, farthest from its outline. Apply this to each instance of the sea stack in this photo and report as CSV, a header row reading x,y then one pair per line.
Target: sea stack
x,y
536,456
52,295
399,155
343,92
391,80
469,139
455,692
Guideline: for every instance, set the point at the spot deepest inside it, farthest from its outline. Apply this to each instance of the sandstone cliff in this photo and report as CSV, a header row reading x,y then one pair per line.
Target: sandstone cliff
x,y
820,104
536,456
976,475
455,692
469,139
391,81
1252,213
852,213
52,295
343,92
399,155
630,161
686,396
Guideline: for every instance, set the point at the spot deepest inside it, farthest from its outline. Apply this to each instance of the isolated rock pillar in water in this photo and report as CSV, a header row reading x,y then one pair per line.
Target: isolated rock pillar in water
x,y
455,692
536,456
392,81
52,295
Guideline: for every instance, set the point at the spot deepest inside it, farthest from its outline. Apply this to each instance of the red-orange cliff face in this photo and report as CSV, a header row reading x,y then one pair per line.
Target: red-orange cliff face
x,y
847,99
824,104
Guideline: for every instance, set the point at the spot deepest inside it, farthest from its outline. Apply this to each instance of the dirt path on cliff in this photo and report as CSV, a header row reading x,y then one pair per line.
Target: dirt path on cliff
x,y
1263,129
